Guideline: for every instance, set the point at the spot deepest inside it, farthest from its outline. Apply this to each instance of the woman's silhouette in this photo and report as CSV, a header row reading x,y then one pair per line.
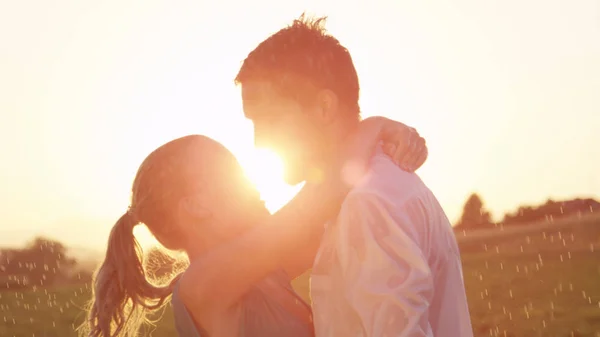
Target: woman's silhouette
x,y
193,196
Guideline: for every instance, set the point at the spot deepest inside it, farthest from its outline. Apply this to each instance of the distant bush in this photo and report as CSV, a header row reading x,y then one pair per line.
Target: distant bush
x,y
42,262
476,216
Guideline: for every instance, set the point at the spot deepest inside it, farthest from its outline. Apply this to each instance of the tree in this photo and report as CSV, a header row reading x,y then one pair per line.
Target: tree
x,y
474,214
43,262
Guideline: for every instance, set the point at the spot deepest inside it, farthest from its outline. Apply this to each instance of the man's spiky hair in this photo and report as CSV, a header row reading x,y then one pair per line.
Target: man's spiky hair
x,y
301,58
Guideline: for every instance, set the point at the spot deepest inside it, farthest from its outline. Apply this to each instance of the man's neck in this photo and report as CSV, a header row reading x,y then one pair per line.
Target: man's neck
x,y
335,150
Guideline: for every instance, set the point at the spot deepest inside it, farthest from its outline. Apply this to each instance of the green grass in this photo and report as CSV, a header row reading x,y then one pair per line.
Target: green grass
x,y
534,284
56,313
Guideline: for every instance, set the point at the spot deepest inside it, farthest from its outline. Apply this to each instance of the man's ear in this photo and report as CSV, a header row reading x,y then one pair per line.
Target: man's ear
x,y
327,105
192,206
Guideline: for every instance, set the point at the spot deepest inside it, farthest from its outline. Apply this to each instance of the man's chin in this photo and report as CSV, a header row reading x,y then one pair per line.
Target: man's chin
x,y
303,173
293,178
296,170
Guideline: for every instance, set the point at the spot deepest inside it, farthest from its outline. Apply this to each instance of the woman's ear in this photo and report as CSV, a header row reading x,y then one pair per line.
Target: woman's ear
x,y
193,207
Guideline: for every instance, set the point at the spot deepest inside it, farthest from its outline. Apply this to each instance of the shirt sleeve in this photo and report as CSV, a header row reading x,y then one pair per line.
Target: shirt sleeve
x,y
387,280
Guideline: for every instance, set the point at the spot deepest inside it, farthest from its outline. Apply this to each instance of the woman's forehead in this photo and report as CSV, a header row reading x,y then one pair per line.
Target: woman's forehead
x,y
211,160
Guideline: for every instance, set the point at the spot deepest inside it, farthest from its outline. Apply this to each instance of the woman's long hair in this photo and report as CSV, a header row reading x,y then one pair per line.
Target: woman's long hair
x,y
122,293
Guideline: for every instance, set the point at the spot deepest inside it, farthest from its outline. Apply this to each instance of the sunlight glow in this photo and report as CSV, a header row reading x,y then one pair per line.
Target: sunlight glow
x,y
265,170
128,87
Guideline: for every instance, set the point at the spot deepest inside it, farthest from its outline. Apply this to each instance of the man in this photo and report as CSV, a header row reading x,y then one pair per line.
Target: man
x,y
388,265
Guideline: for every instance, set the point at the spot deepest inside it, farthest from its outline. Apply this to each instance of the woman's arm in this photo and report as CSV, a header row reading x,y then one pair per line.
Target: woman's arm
x,y
211,285
214,283
400,142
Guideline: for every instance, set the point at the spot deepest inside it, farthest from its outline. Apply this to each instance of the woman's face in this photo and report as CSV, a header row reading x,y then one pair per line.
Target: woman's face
x,y
231,200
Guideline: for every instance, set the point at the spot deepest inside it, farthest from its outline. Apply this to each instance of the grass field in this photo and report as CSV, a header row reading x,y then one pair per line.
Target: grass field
x,y
544,282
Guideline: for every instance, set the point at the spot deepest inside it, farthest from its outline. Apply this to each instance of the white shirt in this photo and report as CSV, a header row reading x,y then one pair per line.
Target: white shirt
x,y
389,264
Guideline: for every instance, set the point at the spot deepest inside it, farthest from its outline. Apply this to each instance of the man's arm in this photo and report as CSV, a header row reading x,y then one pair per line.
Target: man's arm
x,y
387,279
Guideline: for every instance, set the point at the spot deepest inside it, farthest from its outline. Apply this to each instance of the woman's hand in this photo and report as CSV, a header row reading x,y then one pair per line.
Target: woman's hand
x,y
401,142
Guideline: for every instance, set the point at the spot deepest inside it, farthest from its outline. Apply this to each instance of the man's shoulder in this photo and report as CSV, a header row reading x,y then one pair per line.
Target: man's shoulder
x,y
386,181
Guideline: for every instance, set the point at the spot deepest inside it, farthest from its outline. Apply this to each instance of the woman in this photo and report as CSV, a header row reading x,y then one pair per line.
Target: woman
x,y
193,196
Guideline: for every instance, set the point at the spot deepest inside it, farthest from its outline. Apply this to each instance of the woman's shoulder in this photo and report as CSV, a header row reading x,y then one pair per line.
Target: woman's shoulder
x,y
184,322
271,301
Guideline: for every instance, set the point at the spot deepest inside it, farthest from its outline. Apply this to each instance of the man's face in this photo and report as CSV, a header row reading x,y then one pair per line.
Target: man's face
x,y
293,132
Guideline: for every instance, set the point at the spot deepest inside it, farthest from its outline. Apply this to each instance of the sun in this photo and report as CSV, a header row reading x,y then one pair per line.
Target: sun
x,y
265,170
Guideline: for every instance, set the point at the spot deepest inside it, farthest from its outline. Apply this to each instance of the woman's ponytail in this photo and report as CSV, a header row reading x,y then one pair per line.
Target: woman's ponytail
x,y
122,294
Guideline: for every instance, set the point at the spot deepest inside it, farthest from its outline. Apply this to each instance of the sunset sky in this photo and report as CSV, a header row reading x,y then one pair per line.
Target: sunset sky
x,y
507,94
